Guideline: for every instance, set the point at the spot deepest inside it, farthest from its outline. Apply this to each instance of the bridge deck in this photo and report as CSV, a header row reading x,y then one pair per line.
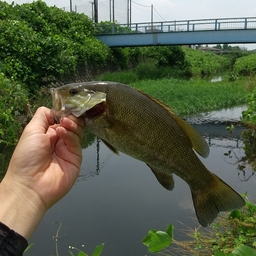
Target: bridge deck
x,y
185,32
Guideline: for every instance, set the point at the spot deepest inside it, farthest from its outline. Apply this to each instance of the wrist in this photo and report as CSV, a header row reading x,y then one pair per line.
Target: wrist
x,y
21,208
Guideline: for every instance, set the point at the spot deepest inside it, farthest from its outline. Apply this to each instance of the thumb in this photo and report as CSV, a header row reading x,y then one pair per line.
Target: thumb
x,y
41,120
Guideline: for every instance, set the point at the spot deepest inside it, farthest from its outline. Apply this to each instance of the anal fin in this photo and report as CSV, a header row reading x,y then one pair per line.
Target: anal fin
x,y
114,150
163,177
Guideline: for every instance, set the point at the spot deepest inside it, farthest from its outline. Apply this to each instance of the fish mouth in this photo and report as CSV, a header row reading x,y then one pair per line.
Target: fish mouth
x,y
58,105
95,111
90,105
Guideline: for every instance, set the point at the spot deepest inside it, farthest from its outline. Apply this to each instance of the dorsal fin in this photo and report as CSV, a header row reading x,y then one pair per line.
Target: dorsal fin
x,y
198,143
159,102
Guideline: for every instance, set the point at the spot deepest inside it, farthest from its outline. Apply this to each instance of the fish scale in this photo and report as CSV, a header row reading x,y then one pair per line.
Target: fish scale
x,y
143,127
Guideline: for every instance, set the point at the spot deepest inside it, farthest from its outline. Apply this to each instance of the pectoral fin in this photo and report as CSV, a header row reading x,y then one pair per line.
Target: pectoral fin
x,y
110,147
164,178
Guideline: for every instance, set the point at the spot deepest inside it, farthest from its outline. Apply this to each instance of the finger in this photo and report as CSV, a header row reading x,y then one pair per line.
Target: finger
x,y
79,120
72,145
72,126
41,120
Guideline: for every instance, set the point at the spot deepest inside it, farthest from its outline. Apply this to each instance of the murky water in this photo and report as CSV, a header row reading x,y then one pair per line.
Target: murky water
x,y
117,199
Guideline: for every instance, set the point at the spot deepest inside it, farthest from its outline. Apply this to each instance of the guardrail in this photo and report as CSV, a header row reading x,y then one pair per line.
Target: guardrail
x,y
178,26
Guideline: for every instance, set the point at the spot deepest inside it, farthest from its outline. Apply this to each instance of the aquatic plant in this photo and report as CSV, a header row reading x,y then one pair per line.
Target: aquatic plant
x,y
195,95
97,251
232,235
249,135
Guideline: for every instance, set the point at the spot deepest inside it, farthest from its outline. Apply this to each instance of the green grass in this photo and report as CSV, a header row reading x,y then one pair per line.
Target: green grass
x,y
186,97
189,96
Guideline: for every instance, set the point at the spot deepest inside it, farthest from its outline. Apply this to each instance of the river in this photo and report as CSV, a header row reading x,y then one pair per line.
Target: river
x,y
117,200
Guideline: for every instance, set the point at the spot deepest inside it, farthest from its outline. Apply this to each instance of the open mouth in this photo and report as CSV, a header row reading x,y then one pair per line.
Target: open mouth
x,y
56,100
57,105
96,111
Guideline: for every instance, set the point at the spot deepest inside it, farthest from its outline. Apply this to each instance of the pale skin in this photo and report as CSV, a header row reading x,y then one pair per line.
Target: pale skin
x,y
43,168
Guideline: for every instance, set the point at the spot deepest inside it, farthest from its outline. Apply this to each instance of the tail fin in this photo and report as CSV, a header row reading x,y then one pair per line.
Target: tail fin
x,y
219,197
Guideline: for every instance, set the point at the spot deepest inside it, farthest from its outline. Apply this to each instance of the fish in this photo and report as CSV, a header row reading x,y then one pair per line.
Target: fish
x,y
130,121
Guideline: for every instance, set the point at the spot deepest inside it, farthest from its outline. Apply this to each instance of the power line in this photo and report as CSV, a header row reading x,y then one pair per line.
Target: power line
x,y
159,14
141,4
143,10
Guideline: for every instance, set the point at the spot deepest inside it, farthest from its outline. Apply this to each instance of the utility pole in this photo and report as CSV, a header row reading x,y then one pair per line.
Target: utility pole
x,y
110,15
113,6
92,11
152,8
70,5
96,11
129,11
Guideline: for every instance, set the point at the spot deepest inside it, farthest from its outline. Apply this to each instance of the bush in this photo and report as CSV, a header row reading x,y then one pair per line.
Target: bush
x,y
249,115
166,55
13,110
40,44
246,66
205,63
30,58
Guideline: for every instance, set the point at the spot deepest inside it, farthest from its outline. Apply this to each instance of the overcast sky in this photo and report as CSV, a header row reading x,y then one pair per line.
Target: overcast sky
x,y
167,9
163,10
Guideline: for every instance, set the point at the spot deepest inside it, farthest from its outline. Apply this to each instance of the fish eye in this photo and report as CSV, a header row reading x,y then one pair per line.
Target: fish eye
x,y
73,91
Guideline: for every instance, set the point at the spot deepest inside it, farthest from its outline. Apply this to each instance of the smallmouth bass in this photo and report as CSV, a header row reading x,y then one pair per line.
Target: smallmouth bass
x,y
141,126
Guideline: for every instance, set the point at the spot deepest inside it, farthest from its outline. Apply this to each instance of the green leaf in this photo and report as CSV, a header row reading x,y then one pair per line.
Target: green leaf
x,y
98,250
252,207
29,246
219,253
244,250
157,240
169,230
147,239
71,253
80,253
235,214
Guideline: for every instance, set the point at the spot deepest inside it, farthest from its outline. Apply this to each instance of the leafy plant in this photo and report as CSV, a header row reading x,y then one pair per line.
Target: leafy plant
x,y
41,44
158,240
249,115
97,252
13,110
232,235
246,66
195,95
205,63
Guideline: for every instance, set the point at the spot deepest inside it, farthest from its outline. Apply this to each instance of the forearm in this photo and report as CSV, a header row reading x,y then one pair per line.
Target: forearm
x,y
21,210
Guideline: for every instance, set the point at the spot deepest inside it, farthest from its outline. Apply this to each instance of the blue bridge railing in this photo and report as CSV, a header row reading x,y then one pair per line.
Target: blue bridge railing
x,y
178,26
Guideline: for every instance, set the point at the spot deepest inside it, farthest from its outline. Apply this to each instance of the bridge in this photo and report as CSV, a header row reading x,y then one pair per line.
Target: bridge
x,y
183,32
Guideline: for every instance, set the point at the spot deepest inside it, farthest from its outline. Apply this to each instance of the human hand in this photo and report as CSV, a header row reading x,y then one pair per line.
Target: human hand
x,y
45,163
